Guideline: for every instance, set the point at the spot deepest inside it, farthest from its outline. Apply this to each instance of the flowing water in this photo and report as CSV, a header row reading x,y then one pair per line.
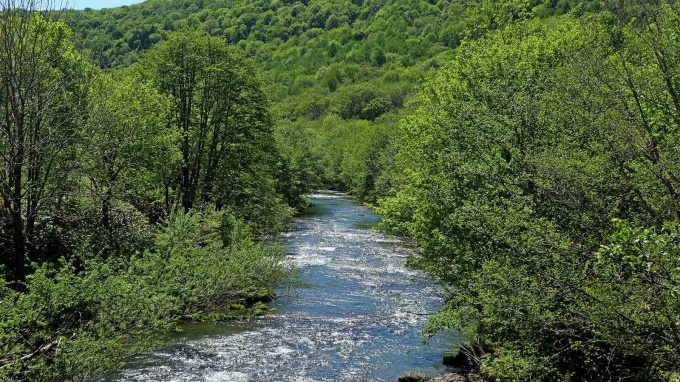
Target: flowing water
x,y
359,318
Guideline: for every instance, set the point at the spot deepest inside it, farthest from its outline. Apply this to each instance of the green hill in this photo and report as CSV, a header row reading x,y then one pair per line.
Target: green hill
x,y
325,63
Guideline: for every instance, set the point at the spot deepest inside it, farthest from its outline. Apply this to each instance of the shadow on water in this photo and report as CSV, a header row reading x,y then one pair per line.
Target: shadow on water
x,y
359,319
312,210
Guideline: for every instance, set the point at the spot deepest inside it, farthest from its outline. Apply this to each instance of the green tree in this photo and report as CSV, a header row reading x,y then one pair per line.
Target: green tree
x,y
43,83
220,113
130,150
512,195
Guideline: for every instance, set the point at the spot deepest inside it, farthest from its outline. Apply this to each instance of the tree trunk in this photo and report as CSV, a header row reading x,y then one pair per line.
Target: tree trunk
x,y
19,241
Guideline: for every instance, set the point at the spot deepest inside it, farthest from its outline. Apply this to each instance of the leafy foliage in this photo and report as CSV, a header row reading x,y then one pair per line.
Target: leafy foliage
x,y
220,115
520,155
319,59
98,262
75,322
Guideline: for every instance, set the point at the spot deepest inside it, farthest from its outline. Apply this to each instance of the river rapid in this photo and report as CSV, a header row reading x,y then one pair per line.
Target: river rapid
x,y
359,319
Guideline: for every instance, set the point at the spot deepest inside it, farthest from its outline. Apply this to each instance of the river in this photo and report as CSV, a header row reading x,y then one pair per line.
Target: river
x,y
359,318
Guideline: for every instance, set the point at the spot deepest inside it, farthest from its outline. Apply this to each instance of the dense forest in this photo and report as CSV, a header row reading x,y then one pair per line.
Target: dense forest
x,y
527,148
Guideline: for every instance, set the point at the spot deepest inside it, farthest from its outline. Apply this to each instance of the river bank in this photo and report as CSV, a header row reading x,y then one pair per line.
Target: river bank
x,y
448,377
452,378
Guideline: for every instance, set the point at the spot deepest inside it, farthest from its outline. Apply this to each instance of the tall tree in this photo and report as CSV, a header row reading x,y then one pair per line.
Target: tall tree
x,y
130,150
220,113
42,86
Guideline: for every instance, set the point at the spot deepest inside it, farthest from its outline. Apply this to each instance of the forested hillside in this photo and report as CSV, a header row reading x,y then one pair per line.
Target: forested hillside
x,y
529,149
339,73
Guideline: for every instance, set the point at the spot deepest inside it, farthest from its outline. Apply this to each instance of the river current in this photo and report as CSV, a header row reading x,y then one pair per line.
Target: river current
x,y
358,319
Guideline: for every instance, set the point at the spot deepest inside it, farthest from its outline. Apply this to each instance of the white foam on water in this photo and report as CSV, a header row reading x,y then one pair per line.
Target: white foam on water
x,y
309,255
303,379
328,196
281,350
307,260
227,376
406,319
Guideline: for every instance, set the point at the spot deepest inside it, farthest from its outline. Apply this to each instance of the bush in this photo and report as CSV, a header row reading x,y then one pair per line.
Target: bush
x,y
72,323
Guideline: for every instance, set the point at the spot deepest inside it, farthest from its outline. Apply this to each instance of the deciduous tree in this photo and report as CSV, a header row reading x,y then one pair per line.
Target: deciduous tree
x,y
43,82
